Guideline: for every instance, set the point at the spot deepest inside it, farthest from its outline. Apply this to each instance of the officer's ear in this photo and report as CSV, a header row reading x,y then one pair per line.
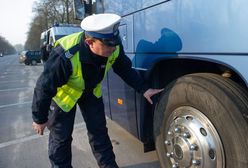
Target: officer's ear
x,y
89,41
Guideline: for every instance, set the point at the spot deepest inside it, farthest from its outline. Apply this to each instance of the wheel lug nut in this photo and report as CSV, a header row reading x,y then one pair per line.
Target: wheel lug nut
x,y
186,135
175,165
196,162
169,154
177,130
193,147
167,142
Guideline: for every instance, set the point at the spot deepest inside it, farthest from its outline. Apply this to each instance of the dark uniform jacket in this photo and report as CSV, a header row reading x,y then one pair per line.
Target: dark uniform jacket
x,y
44,53
58,69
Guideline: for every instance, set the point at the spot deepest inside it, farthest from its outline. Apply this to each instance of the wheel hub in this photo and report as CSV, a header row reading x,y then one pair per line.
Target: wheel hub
x,y
181,151
178,152
192,141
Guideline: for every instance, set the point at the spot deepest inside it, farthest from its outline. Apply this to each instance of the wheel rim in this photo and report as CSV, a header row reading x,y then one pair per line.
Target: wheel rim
x,y
191,140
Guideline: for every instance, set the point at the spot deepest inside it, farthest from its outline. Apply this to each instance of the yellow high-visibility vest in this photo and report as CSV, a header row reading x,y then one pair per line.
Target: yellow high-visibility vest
x,y
68,94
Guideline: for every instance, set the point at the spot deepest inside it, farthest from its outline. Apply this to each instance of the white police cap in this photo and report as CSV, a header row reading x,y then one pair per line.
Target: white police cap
x,y
104,26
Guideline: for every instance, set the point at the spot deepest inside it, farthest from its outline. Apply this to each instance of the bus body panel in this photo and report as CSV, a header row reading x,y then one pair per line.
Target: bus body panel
x,y
155,31
182,26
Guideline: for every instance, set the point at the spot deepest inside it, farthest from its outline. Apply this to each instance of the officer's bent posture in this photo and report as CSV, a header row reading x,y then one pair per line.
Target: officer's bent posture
x,y
73,75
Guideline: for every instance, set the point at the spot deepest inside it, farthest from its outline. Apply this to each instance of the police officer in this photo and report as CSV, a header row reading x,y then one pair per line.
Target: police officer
x,y
73,75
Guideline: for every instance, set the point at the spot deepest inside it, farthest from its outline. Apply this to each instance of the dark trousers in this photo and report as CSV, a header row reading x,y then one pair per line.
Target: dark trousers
x,y
61,128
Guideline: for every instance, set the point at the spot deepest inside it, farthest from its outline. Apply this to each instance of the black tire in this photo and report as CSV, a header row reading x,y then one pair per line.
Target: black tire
x,y
201,120
33,62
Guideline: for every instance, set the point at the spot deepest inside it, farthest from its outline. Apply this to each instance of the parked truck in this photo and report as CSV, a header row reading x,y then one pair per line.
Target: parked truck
x,y
48,37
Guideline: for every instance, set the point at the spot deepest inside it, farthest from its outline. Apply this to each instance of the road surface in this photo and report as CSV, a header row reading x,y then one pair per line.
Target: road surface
x,y
20,147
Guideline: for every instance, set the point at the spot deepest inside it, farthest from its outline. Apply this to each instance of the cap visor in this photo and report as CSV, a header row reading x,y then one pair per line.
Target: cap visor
x,y
112,42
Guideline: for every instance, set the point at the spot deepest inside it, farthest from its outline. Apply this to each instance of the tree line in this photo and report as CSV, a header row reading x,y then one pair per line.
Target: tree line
x,y
46,14
6,47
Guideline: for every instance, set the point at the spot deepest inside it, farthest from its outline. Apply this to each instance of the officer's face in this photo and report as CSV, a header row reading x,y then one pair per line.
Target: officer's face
x,y
97,47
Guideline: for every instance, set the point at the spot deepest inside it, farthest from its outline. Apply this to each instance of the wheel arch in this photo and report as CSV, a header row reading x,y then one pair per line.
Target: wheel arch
x,y
166,70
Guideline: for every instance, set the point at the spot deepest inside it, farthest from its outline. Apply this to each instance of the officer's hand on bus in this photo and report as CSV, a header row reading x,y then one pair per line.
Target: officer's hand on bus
x,y
150,92
39,128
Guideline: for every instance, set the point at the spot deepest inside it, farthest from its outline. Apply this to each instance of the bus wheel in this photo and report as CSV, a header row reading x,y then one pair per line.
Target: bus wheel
x,y
201,121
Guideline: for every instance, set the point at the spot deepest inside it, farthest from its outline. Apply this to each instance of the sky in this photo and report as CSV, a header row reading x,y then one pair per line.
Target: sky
x,y
15,17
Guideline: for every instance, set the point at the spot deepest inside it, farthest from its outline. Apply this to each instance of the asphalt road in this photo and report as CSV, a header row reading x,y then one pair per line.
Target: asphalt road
x,y
20,147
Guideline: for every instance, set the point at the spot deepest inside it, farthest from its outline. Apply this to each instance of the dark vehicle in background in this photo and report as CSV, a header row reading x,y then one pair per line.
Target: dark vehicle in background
x,y
22,56
30,57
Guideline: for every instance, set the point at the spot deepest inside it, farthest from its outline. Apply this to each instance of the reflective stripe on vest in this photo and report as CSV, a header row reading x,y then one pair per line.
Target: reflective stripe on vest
x,y
68,94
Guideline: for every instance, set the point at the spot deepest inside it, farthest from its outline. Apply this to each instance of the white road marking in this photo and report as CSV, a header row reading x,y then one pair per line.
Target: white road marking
x,y
15,104
36,136
5,90
12,81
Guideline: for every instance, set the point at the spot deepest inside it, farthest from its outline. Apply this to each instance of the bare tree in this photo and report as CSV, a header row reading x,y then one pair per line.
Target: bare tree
x,y
6,47
46,14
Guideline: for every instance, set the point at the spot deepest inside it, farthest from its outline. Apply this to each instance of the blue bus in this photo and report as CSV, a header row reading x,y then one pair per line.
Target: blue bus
x,y
197,51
